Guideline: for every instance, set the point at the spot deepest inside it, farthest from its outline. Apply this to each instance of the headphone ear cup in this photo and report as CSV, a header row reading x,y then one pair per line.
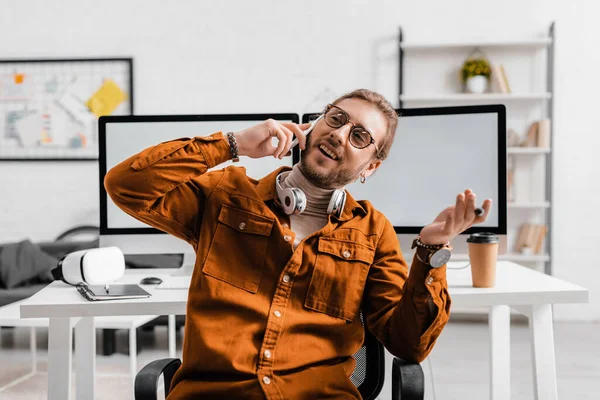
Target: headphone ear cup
x,y
287,197
336,204
293,200
299,201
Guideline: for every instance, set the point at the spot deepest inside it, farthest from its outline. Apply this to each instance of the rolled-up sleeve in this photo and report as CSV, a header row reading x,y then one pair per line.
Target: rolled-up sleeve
x,y
165,185
405,311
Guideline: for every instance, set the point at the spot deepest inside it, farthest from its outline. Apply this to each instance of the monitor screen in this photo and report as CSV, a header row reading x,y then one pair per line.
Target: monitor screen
x,y
437,154
123,136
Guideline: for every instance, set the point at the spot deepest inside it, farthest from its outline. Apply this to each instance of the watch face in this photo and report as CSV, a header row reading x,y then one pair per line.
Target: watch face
x,y
440,257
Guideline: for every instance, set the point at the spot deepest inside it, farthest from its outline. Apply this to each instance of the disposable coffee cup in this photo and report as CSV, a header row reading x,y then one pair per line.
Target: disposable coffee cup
x,y
483,255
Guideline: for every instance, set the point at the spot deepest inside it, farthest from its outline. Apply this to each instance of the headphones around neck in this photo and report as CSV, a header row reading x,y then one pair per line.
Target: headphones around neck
x,y
293,200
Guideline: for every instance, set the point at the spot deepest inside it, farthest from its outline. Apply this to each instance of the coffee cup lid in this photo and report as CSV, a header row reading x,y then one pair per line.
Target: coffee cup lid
x,y
483,237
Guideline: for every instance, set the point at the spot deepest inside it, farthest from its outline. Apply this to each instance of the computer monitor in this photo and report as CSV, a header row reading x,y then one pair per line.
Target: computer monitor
x,y
438,153
120,137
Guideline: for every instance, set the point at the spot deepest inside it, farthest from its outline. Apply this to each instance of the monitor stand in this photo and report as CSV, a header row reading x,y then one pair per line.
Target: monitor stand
x,y
187,265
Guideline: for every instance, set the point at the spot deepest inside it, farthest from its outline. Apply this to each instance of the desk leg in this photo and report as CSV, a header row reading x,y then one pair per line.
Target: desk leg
x,y
33,349
542,346
60,343
172,335
133,353
499,325
85,353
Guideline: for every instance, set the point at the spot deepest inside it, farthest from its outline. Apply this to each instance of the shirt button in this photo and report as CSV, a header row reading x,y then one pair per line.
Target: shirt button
x,y
429,280
277,313
287,238
242,226
286,278
266,380
346,254
268,353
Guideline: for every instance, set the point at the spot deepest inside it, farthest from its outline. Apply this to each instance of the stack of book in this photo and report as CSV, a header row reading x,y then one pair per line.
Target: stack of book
x,y
531,238
538,134
500,79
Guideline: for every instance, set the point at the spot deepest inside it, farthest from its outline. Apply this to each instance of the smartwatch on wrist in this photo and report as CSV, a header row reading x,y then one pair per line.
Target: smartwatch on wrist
x,y
432,255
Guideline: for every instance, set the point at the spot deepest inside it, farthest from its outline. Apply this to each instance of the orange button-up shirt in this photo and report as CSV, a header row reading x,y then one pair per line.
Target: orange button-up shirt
x,y
265,320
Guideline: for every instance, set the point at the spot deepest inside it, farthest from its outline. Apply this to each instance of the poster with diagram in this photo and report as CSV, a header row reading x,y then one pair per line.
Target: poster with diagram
x,y
49,109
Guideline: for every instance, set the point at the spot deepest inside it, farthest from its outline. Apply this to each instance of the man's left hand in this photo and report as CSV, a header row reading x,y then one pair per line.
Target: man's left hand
x,y
455,219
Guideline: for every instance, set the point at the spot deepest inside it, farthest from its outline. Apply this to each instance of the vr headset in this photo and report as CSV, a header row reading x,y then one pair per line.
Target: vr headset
x,y
92,266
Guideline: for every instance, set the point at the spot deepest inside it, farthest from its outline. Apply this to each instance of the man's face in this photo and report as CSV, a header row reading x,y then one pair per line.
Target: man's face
x,y
347,162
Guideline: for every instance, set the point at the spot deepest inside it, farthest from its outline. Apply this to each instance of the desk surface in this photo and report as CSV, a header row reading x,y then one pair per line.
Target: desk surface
x,y
515,285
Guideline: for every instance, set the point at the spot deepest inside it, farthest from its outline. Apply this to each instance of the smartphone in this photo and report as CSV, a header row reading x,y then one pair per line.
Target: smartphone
x,y
308,130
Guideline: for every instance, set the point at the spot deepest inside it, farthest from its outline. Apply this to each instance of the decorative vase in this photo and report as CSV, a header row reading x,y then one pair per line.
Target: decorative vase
x,y
476,84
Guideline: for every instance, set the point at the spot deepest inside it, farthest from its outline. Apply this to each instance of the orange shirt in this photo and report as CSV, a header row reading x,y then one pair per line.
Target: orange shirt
x,y
264,320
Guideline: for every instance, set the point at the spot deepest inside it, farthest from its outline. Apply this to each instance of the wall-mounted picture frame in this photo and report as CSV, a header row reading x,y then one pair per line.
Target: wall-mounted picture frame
x,y
49,108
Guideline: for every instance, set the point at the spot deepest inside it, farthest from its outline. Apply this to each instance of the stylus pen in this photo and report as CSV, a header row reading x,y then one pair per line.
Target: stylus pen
x,y
479,211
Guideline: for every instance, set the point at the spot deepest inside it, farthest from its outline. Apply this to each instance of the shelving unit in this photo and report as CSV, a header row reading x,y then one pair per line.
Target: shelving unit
x,y
512,204
439,58
533,43
526,150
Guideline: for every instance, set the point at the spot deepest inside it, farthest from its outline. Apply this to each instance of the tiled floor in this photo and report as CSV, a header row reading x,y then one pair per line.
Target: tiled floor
x,y
459,363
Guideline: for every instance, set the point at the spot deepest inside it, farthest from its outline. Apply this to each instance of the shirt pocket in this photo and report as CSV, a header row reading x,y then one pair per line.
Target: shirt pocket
x,y
338,280
239,247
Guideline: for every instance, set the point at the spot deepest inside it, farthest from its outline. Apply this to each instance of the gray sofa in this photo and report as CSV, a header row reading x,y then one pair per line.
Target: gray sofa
x,y
55,250
79,238
46,255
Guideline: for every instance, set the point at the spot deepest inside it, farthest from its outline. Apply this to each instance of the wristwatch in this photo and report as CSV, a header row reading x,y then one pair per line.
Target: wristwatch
x,y
432,255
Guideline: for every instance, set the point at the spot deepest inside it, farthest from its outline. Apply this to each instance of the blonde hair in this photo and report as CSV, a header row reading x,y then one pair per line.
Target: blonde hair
x,y
386,109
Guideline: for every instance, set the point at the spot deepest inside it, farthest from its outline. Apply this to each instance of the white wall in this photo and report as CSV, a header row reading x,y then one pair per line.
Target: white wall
x,y
576,163
276,56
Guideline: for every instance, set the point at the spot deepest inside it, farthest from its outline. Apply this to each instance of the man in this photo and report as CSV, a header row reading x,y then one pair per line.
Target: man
x,y
275,298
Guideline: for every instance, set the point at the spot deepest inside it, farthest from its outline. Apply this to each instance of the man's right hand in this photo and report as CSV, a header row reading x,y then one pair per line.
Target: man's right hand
x,y
255,142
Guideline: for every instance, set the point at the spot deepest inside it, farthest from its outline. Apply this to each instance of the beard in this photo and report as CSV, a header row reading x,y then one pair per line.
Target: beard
x,y
335,178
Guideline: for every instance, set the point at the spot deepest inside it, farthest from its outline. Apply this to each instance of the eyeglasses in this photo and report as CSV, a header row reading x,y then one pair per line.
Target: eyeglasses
x,y
358,137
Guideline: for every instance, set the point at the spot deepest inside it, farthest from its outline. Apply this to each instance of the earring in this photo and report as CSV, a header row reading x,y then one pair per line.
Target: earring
x,y
363,179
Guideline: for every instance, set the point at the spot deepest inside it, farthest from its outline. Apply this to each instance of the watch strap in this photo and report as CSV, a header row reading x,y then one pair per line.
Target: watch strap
x,y
424,251
424,256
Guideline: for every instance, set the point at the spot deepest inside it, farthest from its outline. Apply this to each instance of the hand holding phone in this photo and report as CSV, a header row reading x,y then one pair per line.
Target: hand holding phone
x,y
309,130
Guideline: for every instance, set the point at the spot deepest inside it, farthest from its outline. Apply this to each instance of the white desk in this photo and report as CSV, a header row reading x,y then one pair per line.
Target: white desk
x,y
10,316
521,288
65,309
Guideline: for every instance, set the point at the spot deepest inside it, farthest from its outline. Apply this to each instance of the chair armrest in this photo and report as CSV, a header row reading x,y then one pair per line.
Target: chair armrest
x,y
146,381
408,382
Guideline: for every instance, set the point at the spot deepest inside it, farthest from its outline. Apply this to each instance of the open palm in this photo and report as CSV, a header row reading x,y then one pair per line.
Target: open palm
x,y
455,219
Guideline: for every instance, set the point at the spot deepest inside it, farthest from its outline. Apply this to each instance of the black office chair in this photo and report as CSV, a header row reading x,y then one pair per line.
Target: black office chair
x,y
408,382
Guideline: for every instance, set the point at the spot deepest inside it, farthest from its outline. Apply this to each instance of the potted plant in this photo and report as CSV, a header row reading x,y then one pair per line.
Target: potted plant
x,y
475,74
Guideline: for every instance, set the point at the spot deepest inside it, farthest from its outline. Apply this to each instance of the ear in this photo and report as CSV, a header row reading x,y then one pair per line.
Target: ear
x,y
372,167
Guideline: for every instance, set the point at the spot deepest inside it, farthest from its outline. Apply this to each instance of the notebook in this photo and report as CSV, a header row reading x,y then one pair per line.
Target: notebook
x,y
112,292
